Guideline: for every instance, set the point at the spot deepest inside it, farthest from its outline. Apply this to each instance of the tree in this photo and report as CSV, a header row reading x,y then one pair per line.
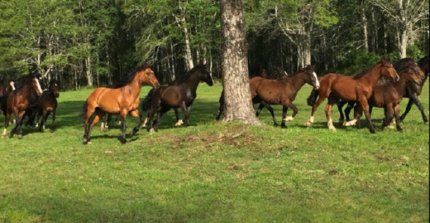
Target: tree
x,y
238,104
405,14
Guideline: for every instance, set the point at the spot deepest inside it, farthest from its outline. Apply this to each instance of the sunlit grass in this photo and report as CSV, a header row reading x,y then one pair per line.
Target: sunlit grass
x,y
217,172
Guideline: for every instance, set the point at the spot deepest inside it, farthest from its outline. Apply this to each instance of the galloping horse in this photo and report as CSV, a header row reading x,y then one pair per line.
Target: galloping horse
x,y
389,94
47,104
283,91
180,94
407,70
20,99
336,86
121,100
413,93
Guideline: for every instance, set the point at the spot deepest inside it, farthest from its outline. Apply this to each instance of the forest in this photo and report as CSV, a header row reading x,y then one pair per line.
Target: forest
x,y
98,42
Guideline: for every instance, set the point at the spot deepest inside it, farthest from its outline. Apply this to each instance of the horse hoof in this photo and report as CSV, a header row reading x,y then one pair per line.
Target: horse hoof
x,y
179,123
289,118
85,141
308,123
122,140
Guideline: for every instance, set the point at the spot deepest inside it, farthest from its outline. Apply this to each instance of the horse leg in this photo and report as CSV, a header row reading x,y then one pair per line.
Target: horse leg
x,y
340,105
260,107
53,118
365,106
284,114
89,117
179,122
221,106
187,111
348,109
327,110
122,116
408,108
397,117
311,120
417,102
388,115
295,111
160,113
18,125
272,114
43,121
136,114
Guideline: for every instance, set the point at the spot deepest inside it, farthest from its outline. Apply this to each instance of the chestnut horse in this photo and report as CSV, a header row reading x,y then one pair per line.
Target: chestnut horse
x,y
348,88
413,93
389,94
283,91
408,70
19,100
122,100
180,94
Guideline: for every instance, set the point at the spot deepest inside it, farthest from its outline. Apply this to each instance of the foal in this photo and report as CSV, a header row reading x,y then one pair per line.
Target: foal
x,y
180,94
283,91
336,86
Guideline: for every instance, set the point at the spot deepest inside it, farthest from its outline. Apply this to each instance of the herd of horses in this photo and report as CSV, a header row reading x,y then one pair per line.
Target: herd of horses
x,y
383,85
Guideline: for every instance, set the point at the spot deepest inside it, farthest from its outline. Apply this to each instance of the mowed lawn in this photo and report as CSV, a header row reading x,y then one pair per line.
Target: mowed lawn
x,y
217,172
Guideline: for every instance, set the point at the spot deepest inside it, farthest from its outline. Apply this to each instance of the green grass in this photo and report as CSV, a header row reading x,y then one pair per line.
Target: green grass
x,y
217,172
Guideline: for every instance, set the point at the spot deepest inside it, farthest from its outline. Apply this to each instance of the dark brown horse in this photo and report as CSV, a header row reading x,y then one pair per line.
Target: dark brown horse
x,y
348,88
20,99
389,94
47,104
412,93
4,93
122,101
180,94
283,91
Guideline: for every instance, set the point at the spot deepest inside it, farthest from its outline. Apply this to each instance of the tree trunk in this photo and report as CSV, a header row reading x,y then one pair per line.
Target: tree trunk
x,y
238,105
403,41
188,54
365,31
307,49
88,71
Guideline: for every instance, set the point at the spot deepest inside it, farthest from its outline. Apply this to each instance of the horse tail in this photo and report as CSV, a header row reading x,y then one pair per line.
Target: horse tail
x,y
313,97
146,102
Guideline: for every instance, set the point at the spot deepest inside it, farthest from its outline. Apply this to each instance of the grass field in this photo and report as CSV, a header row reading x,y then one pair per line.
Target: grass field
x,y
217,172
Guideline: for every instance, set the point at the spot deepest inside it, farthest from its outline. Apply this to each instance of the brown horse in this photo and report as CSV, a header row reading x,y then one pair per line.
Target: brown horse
x,y
389,94
283,91
348,88
122,100
47,104
19,100
412,93
4,93
180,94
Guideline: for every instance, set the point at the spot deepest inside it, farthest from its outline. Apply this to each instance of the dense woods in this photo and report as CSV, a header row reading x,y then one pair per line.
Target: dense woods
x,y
86,43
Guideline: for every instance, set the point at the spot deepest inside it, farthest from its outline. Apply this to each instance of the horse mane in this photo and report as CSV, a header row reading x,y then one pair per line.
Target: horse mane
x,y
422,62
187,74
129,77
403,64
362,73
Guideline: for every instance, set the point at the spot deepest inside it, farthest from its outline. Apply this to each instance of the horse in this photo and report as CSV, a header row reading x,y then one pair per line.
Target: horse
x,y
122,100
408,89
283,91
180,94
20,99
47,104
4,93
389,94
263,73
359,88
413,93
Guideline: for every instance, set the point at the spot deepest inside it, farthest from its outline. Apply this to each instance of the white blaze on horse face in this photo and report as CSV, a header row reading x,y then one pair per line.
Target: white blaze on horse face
x,y
38,86
317,83
12,85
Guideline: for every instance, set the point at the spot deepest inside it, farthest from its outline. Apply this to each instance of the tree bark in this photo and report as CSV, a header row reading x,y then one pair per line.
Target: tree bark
x,y
88,72
238,104
365,29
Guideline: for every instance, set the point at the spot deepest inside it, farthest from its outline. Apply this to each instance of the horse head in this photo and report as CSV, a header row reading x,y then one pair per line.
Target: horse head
x,y
311,76
36,78
147,76
388,70
54,88
203,74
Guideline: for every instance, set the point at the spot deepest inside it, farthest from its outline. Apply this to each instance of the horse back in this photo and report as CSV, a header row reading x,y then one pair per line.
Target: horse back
x,y
174,95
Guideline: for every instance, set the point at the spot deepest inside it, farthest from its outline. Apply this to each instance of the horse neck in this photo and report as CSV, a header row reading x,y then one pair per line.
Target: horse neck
x,y
193,82
372,76
135,85
298,80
